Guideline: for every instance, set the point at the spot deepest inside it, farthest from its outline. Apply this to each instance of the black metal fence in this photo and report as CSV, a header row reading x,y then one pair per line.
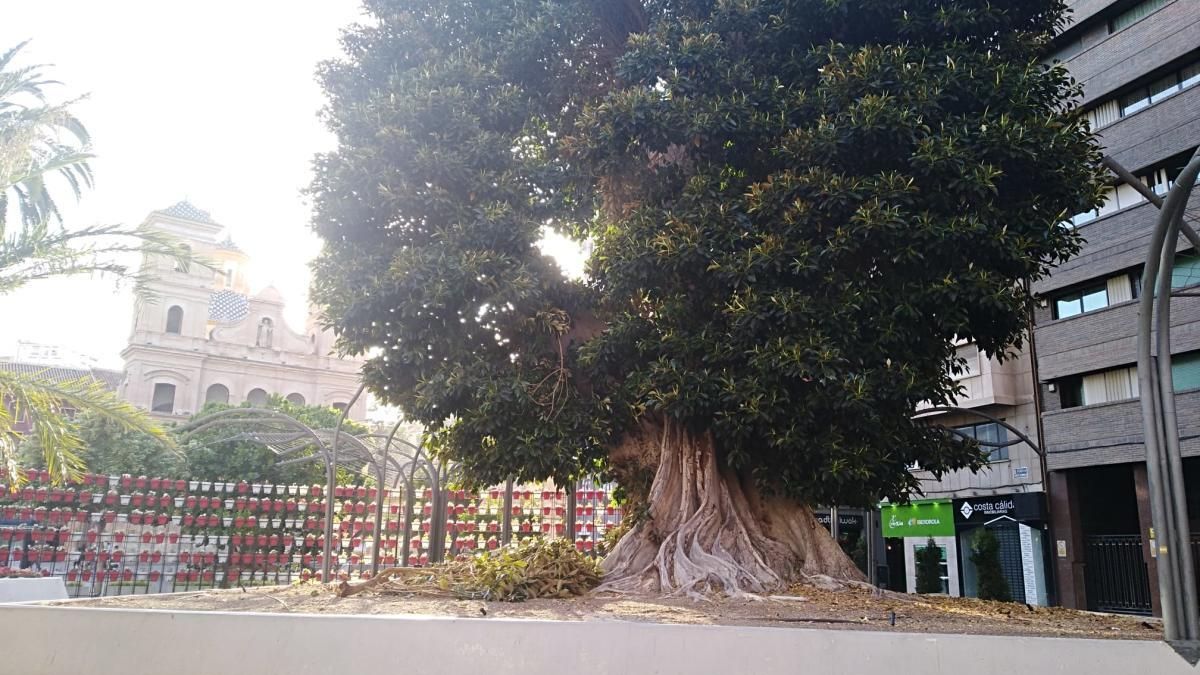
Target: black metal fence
x,y
1116,575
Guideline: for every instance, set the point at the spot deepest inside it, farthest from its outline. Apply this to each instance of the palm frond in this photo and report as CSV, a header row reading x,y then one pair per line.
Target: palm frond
x,y
38,252
43,402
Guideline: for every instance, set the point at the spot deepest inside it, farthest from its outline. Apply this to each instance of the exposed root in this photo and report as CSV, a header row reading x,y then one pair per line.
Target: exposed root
x,y
708,532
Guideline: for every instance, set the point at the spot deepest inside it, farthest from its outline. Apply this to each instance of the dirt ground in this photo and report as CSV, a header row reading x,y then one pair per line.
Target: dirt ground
x,y
803,606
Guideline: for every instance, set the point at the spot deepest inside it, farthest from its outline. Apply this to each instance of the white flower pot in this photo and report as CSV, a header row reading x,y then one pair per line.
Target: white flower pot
x,y
256,488
193,485
97,498
124,500
206,486
302,507
228,504
222,539
293,489
179,502
227,520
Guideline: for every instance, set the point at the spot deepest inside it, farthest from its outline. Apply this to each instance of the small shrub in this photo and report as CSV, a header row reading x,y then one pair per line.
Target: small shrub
x,y
985,553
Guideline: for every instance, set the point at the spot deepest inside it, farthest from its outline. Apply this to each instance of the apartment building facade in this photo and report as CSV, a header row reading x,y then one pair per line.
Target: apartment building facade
x,y
1139,66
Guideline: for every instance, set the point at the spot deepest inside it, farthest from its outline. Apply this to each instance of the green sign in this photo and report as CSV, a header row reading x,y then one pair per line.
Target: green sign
x,y
917,519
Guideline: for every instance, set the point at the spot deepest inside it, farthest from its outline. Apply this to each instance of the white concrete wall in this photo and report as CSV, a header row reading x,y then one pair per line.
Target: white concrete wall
x,y
104,641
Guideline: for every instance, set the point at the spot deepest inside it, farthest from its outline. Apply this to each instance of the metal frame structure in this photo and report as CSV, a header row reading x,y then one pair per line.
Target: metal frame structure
x,y
1171,536
287,437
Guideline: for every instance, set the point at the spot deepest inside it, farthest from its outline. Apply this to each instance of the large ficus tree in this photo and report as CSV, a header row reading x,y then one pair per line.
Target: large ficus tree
x,y
795,208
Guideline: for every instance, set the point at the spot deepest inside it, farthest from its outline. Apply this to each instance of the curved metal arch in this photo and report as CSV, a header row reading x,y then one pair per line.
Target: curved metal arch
x,y
1021,437
1160,424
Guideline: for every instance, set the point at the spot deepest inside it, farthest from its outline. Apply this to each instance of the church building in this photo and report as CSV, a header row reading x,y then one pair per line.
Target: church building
x,y
200,336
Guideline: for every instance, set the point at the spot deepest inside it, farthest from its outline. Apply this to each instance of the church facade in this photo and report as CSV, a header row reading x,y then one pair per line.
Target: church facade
x,y
200,336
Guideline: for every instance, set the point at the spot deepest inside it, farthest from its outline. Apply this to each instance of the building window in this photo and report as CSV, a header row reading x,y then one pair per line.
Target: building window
x,y
1116,384
217,393
295,398
1086,299
164,398
175,320
1186,271
257,398
1185,371
1144,96
988,432
1134,14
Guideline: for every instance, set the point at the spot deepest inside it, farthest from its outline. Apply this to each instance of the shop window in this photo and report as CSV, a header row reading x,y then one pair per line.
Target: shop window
x,y
944,569
164,398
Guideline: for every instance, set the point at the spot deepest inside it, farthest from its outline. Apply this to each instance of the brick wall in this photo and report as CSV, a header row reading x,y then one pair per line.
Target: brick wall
x,y
1108,62
1107,338
1111,433
1114,243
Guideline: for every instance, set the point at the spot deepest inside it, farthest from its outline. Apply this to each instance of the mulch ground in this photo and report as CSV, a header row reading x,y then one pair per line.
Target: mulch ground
x,y
803,606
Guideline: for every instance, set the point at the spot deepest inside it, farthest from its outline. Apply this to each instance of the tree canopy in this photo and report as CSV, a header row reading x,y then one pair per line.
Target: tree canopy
x,y
795,207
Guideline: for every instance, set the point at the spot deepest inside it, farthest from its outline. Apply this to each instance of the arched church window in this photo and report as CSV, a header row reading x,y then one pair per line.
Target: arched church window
x,y
295,398
175,320
217,393
257,398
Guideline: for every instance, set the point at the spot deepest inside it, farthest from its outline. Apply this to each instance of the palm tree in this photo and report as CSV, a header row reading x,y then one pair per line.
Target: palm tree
x,y
39,140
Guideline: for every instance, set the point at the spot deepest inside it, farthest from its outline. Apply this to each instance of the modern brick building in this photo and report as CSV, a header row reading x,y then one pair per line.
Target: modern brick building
x,y
1139,65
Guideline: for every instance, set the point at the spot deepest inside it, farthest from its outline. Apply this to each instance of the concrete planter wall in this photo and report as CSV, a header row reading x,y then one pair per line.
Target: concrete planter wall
x,y
25,590
212,642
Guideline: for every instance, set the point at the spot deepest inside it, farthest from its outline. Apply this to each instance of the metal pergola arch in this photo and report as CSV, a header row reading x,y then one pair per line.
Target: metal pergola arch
x,y
287,437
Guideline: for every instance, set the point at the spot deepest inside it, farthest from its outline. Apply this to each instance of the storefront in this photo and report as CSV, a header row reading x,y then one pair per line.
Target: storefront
x,y
909,527
1019,522
849,533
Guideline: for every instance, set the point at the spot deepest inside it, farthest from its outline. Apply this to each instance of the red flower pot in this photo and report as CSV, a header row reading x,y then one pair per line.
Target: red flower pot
x,y
155,575
180,485
243,487
118,537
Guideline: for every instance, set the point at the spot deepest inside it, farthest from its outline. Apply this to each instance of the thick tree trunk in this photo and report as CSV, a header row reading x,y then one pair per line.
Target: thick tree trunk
x,y
706,530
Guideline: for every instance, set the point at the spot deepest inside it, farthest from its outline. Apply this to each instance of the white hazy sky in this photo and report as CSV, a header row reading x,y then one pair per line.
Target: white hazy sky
x,y
211,101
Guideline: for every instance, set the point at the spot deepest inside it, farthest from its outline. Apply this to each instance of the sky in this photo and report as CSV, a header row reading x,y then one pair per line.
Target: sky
x,y
215,102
